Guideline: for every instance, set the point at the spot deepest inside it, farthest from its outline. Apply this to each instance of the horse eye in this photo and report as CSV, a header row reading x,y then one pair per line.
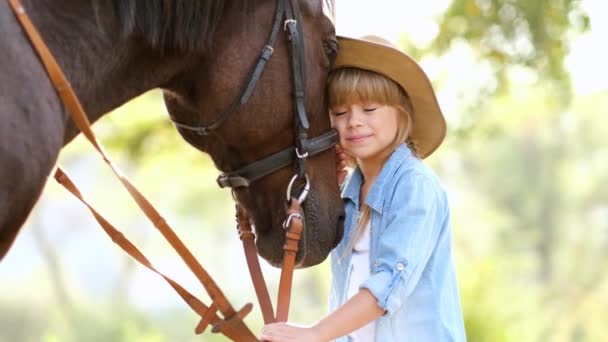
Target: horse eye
x,y
331,49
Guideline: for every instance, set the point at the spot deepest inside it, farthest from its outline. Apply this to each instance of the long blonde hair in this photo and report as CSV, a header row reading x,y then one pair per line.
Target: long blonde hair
x,y
348,85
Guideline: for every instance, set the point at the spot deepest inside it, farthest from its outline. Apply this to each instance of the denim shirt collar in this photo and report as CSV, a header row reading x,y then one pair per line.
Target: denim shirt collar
x,y
375,195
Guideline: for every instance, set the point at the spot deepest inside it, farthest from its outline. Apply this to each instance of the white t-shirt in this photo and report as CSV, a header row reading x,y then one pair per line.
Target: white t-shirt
x,y
359,273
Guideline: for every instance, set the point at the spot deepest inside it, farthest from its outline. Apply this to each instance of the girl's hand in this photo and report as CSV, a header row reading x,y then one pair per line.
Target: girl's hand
x,y
341,158
279,332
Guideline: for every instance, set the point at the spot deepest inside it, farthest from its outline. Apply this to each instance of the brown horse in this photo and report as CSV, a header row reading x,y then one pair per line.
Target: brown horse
x,y
201,53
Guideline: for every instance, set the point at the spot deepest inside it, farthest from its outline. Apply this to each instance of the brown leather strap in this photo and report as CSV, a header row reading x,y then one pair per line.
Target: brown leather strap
x,y
292,238
134,252
208,314
55,74
208,317
257,277
233,323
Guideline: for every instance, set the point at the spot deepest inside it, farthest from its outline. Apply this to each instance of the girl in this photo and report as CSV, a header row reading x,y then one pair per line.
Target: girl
x,y
393,277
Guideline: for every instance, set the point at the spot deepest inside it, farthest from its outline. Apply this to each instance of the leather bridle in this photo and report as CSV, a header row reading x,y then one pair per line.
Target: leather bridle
x,y
296,155
232,324
304,148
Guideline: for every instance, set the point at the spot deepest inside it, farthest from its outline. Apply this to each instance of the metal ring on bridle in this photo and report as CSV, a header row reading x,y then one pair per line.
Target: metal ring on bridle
x,y
304,192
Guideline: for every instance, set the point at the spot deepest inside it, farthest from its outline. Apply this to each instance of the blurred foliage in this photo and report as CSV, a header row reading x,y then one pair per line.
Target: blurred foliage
x,y
543,180
509,35
508,32
533,152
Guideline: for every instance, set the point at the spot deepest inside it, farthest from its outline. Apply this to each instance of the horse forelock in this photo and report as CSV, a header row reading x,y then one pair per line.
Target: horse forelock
x,y
186,25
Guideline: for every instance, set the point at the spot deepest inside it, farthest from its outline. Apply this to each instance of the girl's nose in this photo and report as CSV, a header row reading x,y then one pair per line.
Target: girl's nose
x,y
355,117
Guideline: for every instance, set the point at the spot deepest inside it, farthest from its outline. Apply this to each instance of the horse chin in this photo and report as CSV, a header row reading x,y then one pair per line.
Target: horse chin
x,y
270,246
272,251
316,241
307,255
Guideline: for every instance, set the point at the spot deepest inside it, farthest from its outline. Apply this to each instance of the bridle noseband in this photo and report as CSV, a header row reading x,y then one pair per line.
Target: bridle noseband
x,y
303,148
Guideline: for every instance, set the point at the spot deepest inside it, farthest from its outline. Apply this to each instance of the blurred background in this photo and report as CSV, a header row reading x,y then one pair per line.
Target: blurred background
x,y
523,85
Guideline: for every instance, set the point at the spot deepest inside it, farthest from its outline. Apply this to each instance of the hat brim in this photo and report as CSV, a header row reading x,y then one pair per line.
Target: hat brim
x,y
429,126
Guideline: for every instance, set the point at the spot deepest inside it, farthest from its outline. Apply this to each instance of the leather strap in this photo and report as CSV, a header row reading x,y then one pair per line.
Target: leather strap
x,y
304,147
251,255
245,176
232,325
267,52
208,313
290,250
293,232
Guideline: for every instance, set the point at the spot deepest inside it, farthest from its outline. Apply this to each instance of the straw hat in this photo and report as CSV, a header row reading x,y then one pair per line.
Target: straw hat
x,y
380,56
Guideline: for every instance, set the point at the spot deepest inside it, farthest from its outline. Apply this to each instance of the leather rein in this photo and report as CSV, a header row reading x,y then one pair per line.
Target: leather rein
x,y
231,323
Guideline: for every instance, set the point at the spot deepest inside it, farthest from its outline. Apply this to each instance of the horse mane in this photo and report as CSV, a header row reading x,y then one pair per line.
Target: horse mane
x,y
186,25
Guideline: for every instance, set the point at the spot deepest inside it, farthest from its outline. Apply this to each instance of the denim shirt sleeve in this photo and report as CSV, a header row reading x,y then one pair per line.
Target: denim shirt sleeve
x,y
408,234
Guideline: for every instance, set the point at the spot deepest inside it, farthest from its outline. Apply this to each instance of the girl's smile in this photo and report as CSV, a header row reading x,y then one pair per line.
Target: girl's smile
x,y
358,138
367,130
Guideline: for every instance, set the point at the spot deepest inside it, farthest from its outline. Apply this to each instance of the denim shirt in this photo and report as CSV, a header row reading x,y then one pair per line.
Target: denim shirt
x,y
412,271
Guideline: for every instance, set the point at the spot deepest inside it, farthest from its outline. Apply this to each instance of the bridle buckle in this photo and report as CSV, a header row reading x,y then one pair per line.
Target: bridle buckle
x,y
301,155
268,51
291,216
289,21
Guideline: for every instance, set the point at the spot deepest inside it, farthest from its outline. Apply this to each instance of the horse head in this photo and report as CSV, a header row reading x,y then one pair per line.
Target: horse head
x,y
203,54
238,133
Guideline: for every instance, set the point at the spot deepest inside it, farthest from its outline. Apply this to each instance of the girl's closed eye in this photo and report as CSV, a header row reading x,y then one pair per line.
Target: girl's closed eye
x,y
338,111
370,106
